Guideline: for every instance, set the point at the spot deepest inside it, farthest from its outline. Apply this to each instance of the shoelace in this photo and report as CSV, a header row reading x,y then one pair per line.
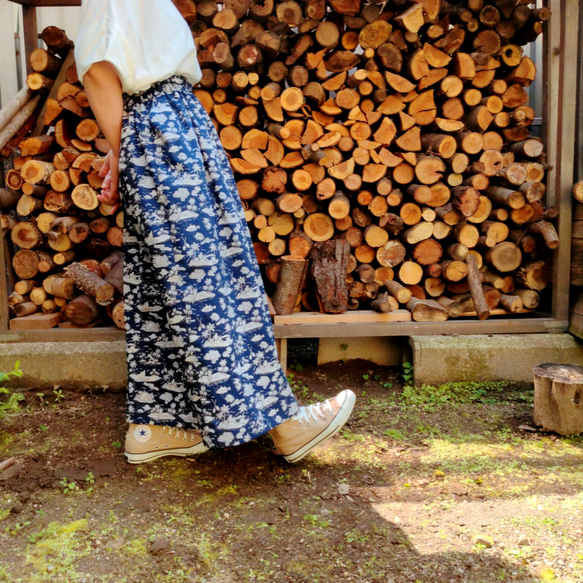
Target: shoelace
x,y
314,412
177,431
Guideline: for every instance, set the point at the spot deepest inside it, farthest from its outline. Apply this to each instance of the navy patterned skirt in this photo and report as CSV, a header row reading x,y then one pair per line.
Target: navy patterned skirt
x,y
200,347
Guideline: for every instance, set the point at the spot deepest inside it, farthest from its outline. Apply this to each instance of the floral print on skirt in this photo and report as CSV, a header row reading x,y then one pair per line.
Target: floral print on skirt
x,y
200,347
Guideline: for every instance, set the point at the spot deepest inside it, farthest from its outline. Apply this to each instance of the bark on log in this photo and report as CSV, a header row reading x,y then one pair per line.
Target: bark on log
x,y
81,311
329,262
291,273
427,310
90,283
558,397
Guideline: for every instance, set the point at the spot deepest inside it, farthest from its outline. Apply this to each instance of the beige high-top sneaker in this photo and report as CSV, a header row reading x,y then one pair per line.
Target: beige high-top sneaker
x,y
312,425
149,442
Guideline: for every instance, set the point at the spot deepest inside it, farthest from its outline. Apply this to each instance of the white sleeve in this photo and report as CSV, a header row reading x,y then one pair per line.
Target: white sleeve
x,y
101,38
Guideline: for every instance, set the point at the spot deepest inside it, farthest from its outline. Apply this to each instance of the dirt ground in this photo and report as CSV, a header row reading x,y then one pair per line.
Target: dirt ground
x,y
422,486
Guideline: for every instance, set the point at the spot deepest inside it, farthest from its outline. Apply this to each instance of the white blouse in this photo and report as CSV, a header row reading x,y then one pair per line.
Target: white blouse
x,y
145,40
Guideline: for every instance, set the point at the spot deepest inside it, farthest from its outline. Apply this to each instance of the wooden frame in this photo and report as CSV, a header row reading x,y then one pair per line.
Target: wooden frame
x,y
560,122
560,77
579,142
30,25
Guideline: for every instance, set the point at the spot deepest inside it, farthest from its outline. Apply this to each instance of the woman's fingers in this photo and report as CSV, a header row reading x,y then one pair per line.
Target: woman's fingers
x,y
106,165
109,193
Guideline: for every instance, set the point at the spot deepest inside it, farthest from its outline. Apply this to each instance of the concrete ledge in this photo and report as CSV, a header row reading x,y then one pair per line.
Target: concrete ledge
x,y
440,359
79,365
436,359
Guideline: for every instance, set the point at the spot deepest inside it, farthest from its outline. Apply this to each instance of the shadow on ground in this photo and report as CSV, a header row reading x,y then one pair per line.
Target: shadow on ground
x,y
446,492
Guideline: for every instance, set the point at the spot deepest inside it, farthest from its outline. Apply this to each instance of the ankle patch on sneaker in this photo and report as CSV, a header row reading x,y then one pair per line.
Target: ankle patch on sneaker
x,y
142,433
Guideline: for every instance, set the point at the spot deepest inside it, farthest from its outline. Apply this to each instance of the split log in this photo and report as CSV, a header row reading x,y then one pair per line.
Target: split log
x,y
476,290
382,303
117,315
59,286
398,291
427,310
90,283
115,275
290,278
329,262
547,231
14,106
11,128
81,311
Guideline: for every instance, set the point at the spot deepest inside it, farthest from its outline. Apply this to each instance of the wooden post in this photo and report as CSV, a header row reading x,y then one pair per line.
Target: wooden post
x,y
579,141
281,344
30,33
29,22
560,77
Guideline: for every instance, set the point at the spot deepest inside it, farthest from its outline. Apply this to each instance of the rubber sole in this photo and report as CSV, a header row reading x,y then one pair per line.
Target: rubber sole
x,y
140,458
332,429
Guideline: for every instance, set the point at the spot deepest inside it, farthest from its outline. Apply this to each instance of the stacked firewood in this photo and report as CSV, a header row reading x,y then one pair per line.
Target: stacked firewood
x,y
382,153
398,133
67,260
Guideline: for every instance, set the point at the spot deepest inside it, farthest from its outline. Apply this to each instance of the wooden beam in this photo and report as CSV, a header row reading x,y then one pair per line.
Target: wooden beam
x,y
351,317
522,325
38,3
30,28
490,326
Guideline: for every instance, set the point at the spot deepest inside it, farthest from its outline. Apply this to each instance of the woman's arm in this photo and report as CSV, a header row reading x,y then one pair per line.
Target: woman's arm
x,y
104,92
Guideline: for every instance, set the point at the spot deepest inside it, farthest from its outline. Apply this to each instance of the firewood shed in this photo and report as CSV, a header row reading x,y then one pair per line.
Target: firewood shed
x,y
562,81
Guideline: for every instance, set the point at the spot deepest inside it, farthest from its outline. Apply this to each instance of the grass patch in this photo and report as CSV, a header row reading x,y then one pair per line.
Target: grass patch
x,y
458,392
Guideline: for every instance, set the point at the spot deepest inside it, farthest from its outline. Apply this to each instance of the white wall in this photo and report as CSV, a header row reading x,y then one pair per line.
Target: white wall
x,y
11,77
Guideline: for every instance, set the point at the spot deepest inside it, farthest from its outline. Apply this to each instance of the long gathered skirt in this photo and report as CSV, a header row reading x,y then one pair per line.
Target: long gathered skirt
x,y
200,347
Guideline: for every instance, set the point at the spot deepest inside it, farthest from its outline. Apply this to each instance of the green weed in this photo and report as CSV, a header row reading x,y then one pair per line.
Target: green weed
x,y
68,487
59,395
10,402
407,374
344,348
315,520
355,536
394,434
299,389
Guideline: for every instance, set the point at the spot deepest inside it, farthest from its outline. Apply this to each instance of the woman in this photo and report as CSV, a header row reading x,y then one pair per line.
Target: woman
x,y
203,370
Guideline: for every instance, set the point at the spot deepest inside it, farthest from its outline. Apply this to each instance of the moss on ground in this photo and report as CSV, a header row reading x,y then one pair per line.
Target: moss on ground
x,y
399,495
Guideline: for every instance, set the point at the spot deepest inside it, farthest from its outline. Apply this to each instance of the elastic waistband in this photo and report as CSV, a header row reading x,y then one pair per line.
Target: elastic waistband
x,y
169,85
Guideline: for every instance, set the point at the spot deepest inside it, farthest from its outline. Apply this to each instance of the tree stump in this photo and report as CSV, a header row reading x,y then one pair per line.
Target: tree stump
x,y
558,397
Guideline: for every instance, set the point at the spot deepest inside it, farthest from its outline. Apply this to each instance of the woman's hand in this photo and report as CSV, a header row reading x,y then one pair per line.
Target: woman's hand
x,y
104,92
109,189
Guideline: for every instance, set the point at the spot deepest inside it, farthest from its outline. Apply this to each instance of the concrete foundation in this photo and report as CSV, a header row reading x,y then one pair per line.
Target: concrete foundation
x,y
436,359
79,365
440,359
384,351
